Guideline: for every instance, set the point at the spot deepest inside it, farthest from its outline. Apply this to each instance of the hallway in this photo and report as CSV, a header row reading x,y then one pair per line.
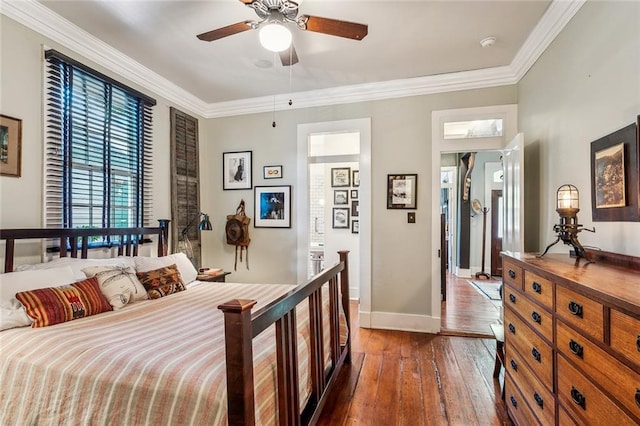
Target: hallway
x,y
466,312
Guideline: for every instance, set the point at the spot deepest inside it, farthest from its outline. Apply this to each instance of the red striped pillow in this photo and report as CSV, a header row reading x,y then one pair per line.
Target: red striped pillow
x,y
53,305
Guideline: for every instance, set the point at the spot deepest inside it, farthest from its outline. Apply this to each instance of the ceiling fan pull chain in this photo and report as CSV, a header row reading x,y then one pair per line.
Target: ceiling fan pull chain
x,y
273,124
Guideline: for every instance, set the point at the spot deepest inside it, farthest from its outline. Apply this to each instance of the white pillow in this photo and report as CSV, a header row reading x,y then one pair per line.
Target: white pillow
x,y
188,272
77,265
12,312
119,284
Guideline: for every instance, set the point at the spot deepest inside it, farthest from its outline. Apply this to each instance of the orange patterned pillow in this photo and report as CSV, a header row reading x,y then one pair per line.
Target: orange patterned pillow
x,y
53,305
162,282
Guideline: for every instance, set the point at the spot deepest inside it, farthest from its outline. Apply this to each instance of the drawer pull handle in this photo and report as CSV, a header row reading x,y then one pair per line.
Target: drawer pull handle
x,y
512,298
578,398
514,402
514,365
575,309
576,348
538,399
536,317
512,328
537,287
535,353
638,397
638,343
512,274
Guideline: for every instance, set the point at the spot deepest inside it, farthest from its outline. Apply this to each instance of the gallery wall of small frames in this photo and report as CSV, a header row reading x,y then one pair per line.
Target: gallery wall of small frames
x,y
346,204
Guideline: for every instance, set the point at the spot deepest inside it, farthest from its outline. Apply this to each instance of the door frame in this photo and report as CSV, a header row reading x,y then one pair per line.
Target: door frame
x,y
439,146
301,215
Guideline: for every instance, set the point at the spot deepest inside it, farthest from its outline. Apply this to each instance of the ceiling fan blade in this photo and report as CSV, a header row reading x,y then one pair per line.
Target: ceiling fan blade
x,y
333,27
289,56
226,31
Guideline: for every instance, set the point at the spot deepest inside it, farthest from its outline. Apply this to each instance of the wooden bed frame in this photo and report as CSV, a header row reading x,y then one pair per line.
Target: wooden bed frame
x,y
242,325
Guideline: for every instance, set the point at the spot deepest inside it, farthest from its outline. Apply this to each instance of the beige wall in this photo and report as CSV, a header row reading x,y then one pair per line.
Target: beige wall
x,y
401,143
21,91
585,86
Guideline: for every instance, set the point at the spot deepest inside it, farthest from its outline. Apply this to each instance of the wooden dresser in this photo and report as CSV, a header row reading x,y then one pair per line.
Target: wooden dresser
x,y
572,340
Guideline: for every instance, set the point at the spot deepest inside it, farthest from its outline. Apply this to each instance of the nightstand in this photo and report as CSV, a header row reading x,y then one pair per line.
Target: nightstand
x,y
220,278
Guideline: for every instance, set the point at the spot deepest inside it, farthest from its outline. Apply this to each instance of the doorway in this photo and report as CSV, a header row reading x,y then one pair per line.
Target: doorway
x,y
496,232
359,290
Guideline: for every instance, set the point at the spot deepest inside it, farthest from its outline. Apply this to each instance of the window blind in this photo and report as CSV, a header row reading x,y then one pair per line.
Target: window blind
x,y
97,149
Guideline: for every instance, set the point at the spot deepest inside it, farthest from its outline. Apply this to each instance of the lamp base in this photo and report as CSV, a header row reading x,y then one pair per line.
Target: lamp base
x,y
568,233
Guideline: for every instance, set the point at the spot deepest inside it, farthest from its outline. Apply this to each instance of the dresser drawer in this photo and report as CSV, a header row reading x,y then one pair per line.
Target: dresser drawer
x,y
603,368
540,289
538,318
580,311
580,397
625,335
564,419
538,397
512,273
518,409
532,348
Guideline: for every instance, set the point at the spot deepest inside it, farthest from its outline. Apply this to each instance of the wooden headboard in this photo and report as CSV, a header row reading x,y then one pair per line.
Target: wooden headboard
x,y
126,240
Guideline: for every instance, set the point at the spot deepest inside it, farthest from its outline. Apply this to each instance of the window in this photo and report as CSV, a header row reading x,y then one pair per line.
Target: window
x,y
97,149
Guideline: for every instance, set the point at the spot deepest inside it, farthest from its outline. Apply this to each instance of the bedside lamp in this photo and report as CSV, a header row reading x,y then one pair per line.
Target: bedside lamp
x,y
568,206
204,225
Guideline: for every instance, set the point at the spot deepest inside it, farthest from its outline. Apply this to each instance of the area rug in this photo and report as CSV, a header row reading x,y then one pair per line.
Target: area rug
x,y
489,289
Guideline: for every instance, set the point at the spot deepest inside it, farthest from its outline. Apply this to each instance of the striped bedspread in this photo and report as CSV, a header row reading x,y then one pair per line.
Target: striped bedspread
x,y
157,362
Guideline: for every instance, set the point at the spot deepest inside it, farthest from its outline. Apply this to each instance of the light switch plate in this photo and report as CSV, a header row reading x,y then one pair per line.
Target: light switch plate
x,y
411,217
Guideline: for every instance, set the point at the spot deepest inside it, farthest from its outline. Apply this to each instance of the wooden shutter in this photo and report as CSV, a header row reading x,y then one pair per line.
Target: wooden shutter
x,y
185,182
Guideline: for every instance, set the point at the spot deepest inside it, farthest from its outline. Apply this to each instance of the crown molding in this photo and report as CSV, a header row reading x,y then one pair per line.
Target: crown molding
x,y
42,20
51,25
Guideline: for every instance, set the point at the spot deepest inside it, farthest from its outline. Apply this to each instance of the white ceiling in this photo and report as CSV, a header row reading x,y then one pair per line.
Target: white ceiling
x,y
408,41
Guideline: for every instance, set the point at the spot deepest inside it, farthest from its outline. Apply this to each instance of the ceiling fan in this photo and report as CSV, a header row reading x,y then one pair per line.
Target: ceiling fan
x,y
274,14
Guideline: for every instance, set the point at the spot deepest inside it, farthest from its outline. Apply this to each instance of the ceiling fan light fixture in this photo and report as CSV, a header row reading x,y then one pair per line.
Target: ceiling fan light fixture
x,y
275,37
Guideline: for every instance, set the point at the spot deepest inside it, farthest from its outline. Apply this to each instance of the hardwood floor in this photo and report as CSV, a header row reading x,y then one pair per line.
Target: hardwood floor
x,y
403,378
467,312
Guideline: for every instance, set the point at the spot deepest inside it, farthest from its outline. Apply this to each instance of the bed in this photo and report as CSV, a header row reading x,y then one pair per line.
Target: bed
x,y
269,354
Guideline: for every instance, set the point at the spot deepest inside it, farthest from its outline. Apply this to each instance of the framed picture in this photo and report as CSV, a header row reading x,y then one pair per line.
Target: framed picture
x,y
355,208
355,226
340,218
340,177
10,146
354,194
340,196
355,178
272,172
272,206
236,170
614,176
402,191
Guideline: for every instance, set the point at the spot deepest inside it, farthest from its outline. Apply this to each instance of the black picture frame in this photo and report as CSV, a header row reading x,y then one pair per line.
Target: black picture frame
x,y
10,146
355,226
355,208
340,218
272,172
354,194
402,191
340,177
237,170
614,176
341,197
355,177
272,206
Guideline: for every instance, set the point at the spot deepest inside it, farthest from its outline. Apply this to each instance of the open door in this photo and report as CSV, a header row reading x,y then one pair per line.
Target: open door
x,y
513,195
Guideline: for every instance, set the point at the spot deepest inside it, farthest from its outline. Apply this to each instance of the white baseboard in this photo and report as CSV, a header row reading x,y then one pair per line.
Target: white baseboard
x,y
399,322
463,273
354,293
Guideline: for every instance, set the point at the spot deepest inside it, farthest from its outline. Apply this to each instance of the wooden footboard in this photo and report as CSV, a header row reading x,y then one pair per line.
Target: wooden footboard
x,y
242,325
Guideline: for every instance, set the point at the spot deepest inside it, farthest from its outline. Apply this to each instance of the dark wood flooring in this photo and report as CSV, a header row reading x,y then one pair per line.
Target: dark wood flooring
x,y
466,311
403,378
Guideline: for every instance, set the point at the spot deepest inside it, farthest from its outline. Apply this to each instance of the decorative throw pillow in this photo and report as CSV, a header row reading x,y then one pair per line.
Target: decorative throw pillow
x,y
119,284
53,305
188,272
77,265
12,312
162,282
